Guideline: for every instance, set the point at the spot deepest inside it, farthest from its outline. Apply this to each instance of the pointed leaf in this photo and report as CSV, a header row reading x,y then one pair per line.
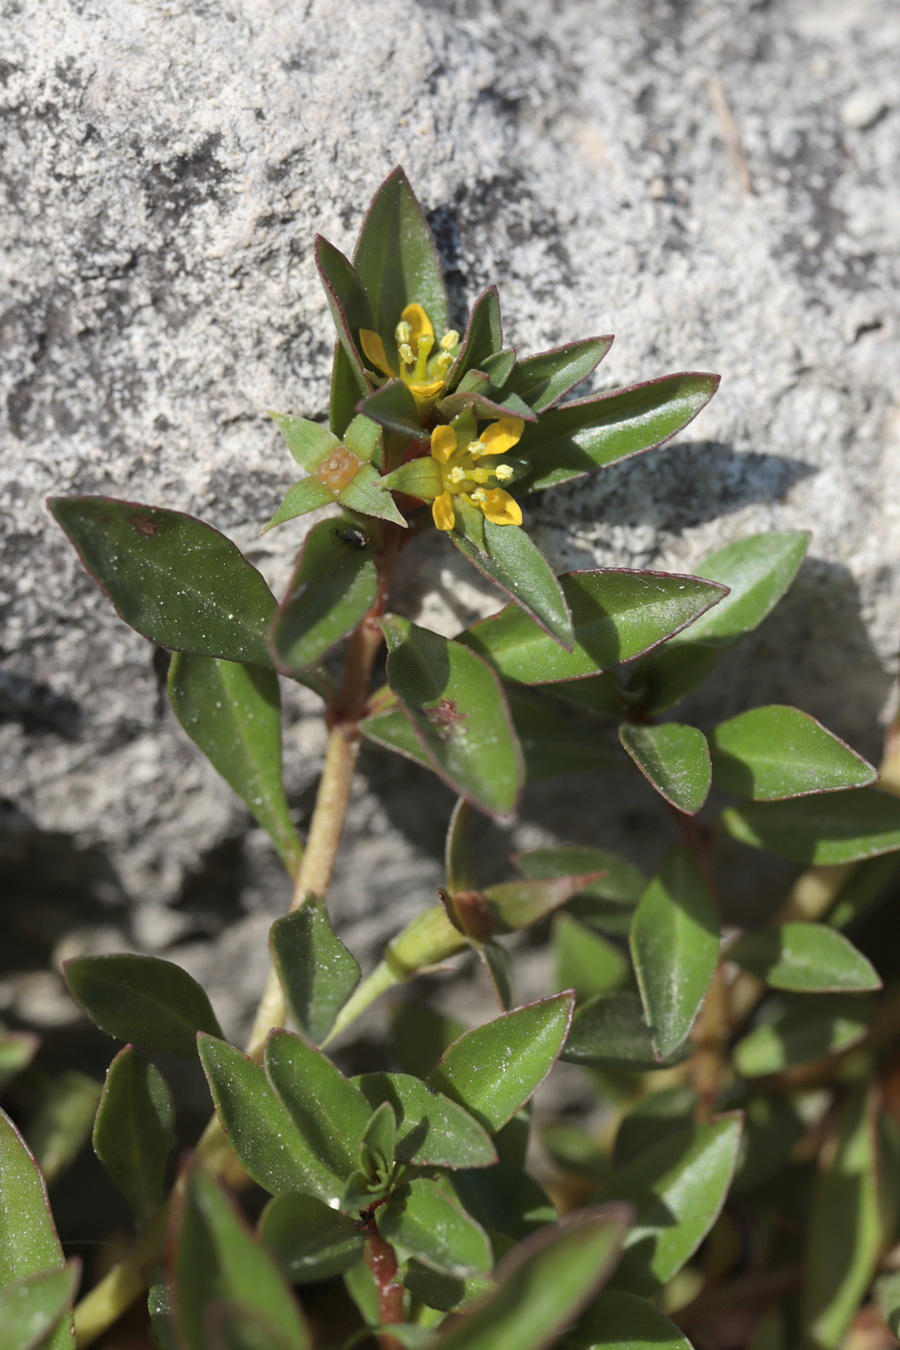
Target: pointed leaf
x,y
675,949
805,957
498,968
609,1031
543,379
585,961
447,1293
482,339
517,566
606,903
216,1260
233,713
757,570
458,864
392,406
426,1222
347,301
677,1189
505,1199
396,258
310,1240
580,437
135,1129
809,1029
837,827
309,442
17,1050
265,1140
61,1125
432,1130
776,752
615,1320
617,615
317,972
674,758
393,731
518,904
652,1118
33,1306
367,494
484,408
346,391
658,681
844,1235
28,1242
556,739
494,1069
543,1284
143,999
328,1111
176,580
333,588
307,495
456,705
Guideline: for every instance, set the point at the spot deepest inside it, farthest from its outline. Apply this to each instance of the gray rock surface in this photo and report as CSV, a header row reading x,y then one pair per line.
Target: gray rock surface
x,y
715,183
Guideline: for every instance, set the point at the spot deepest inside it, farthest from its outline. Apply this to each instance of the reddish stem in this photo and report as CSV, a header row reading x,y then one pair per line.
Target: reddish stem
x,y
382,1261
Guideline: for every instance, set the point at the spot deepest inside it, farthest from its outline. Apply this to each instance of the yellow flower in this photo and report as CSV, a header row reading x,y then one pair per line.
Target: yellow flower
x,y
463,475
424,374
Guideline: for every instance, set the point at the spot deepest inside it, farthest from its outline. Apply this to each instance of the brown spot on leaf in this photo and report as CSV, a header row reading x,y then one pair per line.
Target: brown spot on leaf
x,y
145,525
444,716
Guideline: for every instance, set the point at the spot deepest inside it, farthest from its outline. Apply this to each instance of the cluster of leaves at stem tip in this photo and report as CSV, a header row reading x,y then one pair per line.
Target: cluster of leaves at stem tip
x,y
745,1167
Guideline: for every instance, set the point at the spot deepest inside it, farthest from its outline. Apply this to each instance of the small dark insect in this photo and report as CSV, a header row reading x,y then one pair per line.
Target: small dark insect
x,y
355,538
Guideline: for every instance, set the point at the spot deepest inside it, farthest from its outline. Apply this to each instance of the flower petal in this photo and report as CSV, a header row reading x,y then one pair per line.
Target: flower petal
x,y
500,508
424,392
502,435
443,444
442,511
373,350
418,321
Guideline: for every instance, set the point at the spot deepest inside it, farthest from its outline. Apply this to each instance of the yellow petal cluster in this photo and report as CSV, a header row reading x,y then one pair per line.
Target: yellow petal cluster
x,y
465,474
422,369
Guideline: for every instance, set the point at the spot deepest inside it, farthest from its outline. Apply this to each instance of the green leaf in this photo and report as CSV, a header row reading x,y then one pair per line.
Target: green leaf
x,y
142,999
863,889
327,1110
346,390
376,1152
421,1035
333,588
233,713
609,1031
134,1130
265,1140
606,903
837,827
776,752
469,397
674,758
773,1126
482,339
218,1260
555,740
675,949
392,731
317,972
309,442
61,1123
397,261
33,1306
582,436
519,904
816,1026
543,379
310,1240
585,961
757,570
652,1118
456,705
432,1130
498,368
615,1320
459,866
504,1199
497,964
443,1292
805,957
516,565
28,1241
617,615
677,1189
494,1069
417,478
844,1234
17,1050
392,406
658,681
435,1229
307,495
347,301
543,1284
176,580
366,493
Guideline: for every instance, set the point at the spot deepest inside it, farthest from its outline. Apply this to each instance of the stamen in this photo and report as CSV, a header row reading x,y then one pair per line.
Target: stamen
x,y
477,448
443,362
403,332
479,495
504,472
456,474
406,354
450,339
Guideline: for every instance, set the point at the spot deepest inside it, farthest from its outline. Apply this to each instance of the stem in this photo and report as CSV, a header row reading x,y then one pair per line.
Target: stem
x,y
382,1261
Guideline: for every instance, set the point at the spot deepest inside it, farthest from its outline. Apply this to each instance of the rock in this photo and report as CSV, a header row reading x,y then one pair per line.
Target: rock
x,y
669,173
